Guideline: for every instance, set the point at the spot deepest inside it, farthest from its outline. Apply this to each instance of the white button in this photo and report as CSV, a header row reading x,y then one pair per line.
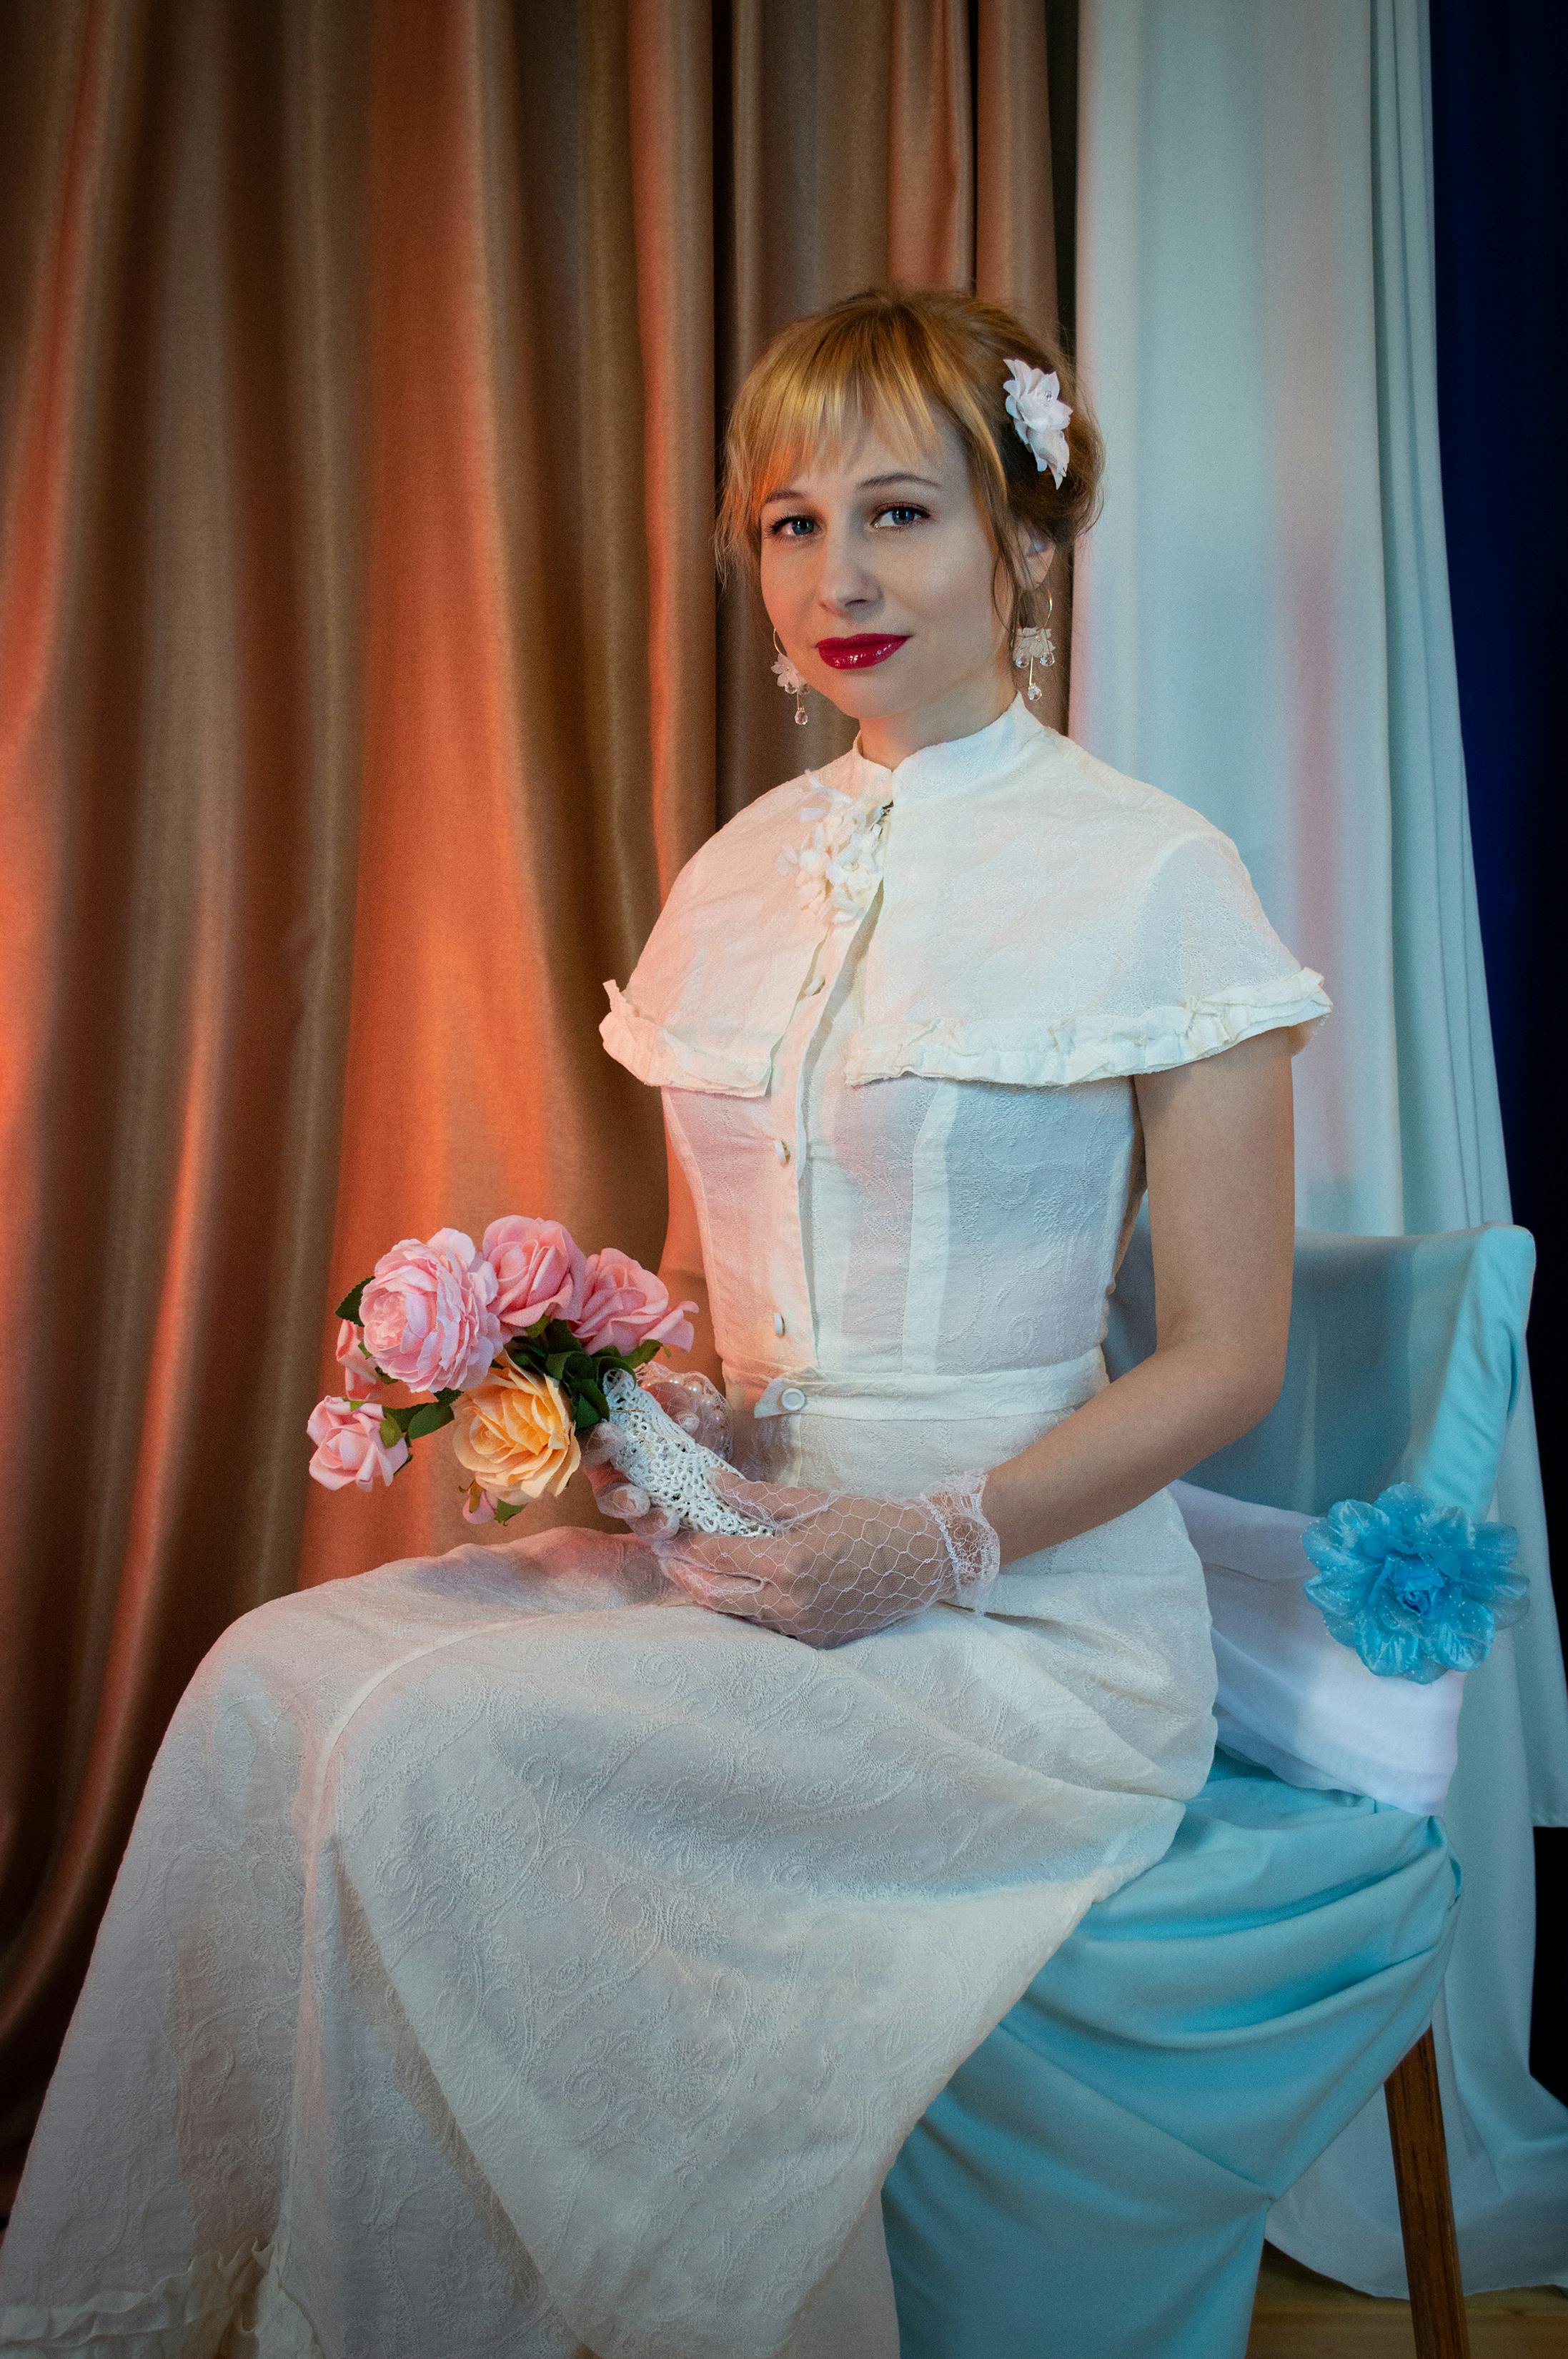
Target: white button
x,y
781,1148
778,1322
791,1398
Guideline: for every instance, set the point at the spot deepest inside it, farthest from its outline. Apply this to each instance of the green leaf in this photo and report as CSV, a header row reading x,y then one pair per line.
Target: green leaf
x,y
643,1351
428,1418
585,1417
451,1393
349,1306
504,1511
592,1393
556,1364
391,1428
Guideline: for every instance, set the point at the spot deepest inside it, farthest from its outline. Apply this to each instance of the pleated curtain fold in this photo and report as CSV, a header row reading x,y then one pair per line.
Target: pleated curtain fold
x,y
363,684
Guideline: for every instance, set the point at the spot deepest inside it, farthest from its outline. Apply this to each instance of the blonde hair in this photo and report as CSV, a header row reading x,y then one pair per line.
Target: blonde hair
x,y
898,358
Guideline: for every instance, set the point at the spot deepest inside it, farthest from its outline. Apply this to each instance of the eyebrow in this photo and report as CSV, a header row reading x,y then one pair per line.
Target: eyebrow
x,y
866,483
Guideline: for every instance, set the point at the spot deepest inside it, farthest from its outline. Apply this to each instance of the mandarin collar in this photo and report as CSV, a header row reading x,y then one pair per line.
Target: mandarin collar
x,y
957,762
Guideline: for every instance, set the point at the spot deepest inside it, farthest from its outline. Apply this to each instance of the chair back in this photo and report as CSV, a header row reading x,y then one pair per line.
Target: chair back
x,y
1404,1363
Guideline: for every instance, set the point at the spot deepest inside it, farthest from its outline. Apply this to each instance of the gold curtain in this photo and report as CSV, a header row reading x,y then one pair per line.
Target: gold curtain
x,y
363,685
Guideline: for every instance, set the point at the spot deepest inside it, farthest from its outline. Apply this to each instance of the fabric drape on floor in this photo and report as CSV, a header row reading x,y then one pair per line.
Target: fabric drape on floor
x,y
1263,628
363,684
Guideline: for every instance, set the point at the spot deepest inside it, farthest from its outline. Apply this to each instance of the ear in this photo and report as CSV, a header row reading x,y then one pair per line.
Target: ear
x,y
1038,553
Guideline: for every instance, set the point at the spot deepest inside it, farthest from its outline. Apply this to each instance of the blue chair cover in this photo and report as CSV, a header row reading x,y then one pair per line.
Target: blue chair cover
x,y
1093,2181
1404,1366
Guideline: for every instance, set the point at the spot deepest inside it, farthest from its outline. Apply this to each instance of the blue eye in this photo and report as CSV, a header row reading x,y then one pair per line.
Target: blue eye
x,y
904,511
779,529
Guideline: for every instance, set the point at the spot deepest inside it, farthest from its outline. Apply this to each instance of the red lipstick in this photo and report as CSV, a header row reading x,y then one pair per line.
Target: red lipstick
x,y
860,652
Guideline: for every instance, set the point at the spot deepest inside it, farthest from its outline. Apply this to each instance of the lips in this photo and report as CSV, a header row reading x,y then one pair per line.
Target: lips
x,y
859,653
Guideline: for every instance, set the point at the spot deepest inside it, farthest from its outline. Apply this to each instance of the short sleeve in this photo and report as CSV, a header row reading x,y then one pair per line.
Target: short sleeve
x,y
1205,968
1142,947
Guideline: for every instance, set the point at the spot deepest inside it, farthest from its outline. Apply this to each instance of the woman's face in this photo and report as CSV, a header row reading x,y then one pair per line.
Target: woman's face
x,y
880,576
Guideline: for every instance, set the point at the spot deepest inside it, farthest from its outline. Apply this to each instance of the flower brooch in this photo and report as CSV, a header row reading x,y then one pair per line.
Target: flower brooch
x,y
1039,416
1417,1590
839,865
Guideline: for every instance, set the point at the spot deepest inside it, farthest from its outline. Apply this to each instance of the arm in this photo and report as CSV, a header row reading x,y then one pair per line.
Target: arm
x,y
680,1267
1218,1142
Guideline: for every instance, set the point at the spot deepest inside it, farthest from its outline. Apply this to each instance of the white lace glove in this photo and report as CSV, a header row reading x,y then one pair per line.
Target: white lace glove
x,y
696,1404
836,1566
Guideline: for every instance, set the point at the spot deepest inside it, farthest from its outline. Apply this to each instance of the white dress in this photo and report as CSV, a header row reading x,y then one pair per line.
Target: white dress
x,y
511,1959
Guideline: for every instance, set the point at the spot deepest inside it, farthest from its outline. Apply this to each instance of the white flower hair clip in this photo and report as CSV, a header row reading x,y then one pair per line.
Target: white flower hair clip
x,y
1039,416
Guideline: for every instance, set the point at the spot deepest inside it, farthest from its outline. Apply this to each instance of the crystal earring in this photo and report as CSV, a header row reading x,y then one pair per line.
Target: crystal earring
x,y
791,681
1034,645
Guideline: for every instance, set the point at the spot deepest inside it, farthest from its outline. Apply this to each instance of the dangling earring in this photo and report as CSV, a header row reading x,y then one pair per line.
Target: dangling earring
x,y
791,681
1034,646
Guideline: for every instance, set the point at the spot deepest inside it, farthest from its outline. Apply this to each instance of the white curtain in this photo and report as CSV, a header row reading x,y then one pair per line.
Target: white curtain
x,y
1262,626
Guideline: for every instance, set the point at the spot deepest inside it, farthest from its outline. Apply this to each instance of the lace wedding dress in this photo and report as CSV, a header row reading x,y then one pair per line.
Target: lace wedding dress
x,y
512,1958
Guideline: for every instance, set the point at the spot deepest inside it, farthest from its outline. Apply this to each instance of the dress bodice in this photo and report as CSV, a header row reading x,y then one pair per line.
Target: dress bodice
x,y
896,1016
913,1225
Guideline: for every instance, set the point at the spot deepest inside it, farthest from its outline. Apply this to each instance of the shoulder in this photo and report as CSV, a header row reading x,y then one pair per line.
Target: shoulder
x,y
1139,822
1069,924
746,847
712,989
1066,837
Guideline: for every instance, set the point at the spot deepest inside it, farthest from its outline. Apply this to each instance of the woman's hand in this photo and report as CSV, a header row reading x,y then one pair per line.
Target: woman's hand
x,y
838,1566
695,1403
690,1401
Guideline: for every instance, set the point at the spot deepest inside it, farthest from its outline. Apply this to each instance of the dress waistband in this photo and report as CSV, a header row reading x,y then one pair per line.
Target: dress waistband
x,y
896,1392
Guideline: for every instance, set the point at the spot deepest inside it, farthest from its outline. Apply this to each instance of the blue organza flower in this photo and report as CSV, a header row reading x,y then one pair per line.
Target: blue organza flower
x,y
1416,1588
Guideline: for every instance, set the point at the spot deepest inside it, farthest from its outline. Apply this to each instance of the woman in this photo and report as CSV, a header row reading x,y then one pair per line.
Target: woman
x,y
549,1947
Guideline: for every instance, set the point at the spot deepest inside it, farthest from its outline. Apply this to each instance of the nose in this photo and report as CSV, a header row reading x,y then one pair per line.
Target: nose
x,y
847,584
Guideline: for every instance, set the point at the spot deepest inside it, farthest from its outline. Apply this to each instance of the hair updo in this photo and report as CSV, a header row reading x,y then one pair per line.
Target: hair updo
x,y
896,358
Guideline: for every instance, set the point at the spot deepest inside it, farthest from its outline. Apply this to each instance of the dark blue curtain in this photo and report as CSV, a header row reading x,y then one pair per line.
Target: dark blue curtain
x,y
1500,123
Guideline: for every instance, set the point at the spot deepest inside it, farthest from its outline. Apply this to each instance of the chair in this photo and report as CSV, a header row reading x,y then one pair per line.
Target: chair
x,y
1404,1367
1140,2039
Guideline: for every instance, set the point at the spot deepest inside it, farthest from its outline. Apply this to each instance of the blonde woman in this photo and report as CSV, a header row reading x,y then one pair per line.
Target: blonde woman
x,y
548,1949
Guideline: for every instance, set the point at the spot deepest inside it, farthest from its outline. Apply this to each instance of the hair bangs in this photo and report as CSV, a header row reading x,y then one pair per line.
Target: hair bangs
x,y
823,409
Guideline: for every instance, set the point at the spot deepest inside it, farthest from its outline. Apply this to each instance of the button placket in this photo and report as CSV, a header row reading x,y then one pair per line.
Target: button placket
x,y
791,1311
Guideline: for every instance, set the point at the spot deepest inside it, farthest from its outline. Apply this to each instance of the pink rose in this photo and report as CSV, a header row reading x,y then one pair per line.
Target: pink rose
x,y
538,1270
349,1446
359,1378
622,1305
429,1314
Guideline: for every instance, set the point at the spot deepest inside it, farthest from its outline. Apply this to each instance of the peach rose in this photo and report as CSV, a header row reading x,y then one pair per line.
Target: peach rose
x,y
429,1314
622,1305
349,1446
515,1435
359,1378
538,1270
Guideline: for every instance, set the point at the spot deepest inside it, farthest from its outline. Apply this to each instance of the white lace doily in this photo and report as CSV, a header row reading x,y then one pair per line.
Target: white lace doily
x,y
673,1469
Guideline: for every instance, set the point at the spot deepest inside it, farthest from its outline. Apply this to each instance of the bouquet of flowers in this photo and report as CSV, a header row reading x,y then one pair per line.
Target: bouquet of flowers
x,y
522,1344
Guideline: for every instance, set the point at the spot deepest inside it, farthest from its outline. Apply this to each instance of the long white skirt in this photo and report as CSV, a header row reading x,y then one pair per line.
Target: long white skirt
x,y
511,1960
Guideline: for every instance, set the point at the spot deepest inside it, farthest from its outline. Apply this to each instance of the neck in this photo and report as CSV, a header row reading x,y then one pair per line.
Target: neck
x,y
970,705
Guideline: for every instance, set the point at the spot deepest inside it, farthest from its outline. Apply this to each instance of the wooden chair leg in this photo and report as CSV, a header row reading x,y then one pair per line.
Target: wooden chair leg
x,y
1426,2204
